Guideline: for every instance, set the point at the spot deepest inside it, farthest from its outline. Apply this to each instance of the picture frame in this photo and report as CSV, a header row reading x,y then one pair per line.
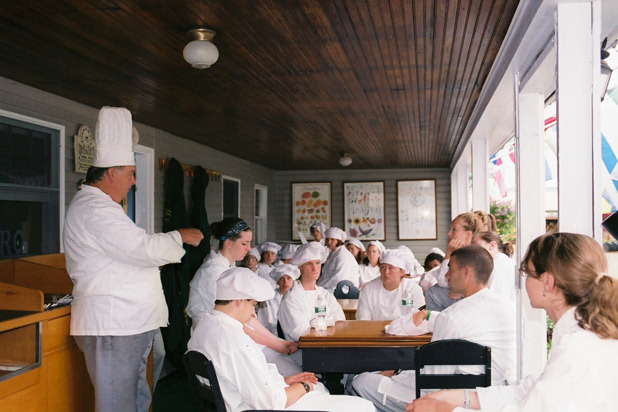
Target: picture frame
x,y
417,210
311,201
363,210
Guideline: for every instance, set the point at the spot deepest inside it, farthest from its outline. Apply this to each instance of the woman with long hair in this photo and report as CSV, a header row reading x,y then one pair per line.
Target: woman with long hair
x,y
566,274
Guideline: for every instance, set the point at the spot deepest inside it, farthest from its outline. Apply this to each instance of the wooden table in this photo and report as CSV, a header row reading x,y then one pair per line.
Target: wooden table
x,y
349,307
358,346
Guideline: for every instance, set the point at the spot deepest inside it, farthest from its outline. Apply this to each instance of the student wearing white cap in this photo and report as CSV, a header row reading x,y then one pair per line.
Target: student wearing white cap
x,y
356,248
317,229
381,299
251,259
268,251
268,312
234,235
369,269
114,266
340,264
287,251
298,305
246,380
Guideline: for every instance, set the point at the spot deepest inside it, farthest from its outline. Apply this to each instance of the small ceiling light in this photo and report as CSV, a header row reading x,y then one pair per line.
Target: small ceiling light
x,y
201,53
345,160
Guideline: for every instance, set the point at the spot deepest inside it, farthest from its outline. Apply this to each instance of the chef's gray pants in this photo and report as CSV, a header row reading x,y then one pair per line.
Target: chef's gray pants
x,y
117,368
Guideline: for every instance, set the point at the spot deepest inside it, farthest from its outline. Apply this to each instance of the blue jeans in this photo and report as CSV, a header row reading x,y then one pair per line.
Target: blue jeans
x,y
117,368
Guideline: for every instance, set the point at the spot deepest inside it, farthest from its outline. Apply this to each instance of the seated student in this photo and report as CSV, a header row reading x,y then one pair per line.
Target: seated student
x,y
369,269
432,260
434,283
246,380
482,317
251,259
287,251
298,305
356,248
502,280
566,274
268,312
381,299
269,251
317,230
340,264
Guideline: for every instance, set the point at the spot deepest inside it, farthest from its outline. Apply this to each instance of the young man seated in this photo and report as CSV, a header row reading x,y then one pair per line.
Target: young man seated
x,y
246,380
482,317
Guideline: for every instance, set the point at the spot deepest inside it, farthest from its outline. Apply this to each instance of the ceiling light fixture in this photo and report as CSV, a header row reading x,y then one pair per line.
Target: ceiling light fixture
x,y
201,53
345,160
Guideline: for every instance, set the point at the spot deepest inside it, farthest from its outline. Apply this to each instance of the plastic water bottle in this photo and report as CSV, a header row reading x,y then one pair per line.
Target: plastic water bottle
x,y
320,312
406,303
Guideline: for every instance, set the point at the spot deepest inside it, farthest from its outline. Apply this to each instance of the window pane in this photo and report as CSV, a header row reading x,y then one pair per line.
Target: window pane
x,y
25,156
21,228
230,198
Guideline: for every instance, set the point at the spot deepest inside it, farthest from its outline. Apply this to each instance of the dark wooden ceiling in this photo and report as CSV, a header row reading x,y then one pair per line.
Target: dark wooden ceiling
x,y
297,83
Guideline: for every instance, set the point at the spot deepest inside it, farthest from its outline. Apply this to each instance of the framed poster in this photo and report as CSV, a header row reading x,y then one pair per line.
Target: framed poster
x,y
363,210
416,209
310,203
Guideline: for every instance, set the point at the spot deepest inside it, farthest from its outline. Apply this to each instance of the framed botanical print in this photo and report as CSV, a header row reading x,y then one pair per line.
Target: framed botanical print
x,y
363,212
310,203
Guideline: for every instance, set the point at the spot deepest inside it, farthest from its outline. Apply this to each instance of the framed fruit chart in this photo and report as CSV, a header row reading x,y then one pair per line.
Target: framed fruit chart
x,y
310,203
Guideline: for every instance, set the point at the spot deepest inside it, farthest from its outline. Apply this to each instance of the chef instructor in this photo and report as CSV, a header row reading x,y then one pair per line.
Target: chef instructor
x,y
114,265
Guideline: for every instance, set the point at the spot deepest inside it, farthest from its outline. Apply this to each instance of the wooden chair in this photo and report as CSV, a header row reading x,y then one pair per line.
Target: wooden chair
x,y
451,352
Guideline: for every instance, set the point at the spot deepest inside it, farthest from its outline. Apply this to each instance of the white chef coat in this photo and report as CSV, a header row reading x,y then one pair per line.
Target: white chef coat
x,y
263,271
298,308
502,279
268,312
435,275
246,380
368,273
377,303
340,265
580,375
203,286
485,318
114,266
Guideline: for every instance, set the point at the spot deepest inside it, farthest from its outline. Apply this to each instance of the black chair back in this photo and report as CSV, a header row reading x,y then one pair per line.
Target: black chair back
x,y
451,352
202,376
351,292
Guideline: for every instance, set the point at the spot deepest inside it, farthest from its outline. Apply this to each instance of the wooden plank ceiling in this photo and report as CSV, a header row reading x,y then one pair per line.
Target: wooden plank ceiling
x,y
297,83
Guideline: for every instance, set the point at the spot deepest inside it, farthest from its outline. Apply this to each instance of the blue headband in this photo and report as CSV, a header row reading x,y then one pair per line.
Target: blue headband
x,y
236,229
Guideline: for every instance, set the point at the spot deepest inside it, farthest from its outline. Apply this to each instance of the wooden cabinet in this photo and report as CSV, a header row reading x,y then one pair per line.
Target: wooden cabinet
x,y
53,376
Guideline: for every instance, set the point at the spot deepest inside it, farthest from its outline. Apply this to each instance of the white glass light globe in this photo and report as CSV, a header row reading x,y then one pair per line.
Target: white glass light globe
x,y
201,54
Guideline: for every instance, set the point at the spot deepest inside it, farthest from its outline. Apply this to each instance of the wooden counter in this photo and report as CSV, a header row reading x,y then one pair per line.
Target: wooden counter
x,y
58,379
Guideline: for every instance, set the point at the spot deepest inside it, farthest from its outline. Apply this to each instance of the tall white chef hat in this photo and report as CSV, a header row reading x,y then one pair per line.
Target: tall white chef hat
x,y
285,269
269,247
241,283
377,244
335,233
354,241
114,137
398,258
308,251
287,250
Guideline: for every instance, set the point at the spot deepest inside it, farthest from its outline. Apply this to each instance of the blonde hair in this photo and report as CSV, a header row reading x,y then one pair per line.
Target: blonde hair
x,y
488,220
470,222
579,268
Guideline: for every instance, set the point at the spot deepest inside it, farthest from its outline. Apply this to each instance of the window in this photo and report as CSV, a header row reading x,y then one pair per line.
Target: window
x,y
231,197
261,206
31,186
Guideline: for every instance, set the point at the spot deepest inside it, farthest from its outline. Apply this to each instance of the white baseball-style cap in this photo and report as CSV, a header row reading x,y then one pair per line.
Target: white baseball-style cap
x,y
240,283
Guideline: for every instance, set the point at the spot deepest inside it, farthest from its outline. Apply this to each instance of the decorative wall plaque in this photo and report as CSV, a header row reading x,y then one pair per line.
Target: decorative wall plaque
x,y
84,149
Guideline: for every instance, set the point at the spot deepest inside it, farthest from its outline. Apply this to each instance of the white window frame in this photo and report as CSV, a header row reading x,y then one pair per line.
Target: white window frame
x,y
262,234
144,185
61,160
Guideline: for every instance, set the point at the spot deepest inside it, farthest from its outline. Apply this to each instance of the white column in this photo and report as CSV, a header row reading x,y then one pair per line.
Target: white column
x,y
578,66
530,171
459,187
480,160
